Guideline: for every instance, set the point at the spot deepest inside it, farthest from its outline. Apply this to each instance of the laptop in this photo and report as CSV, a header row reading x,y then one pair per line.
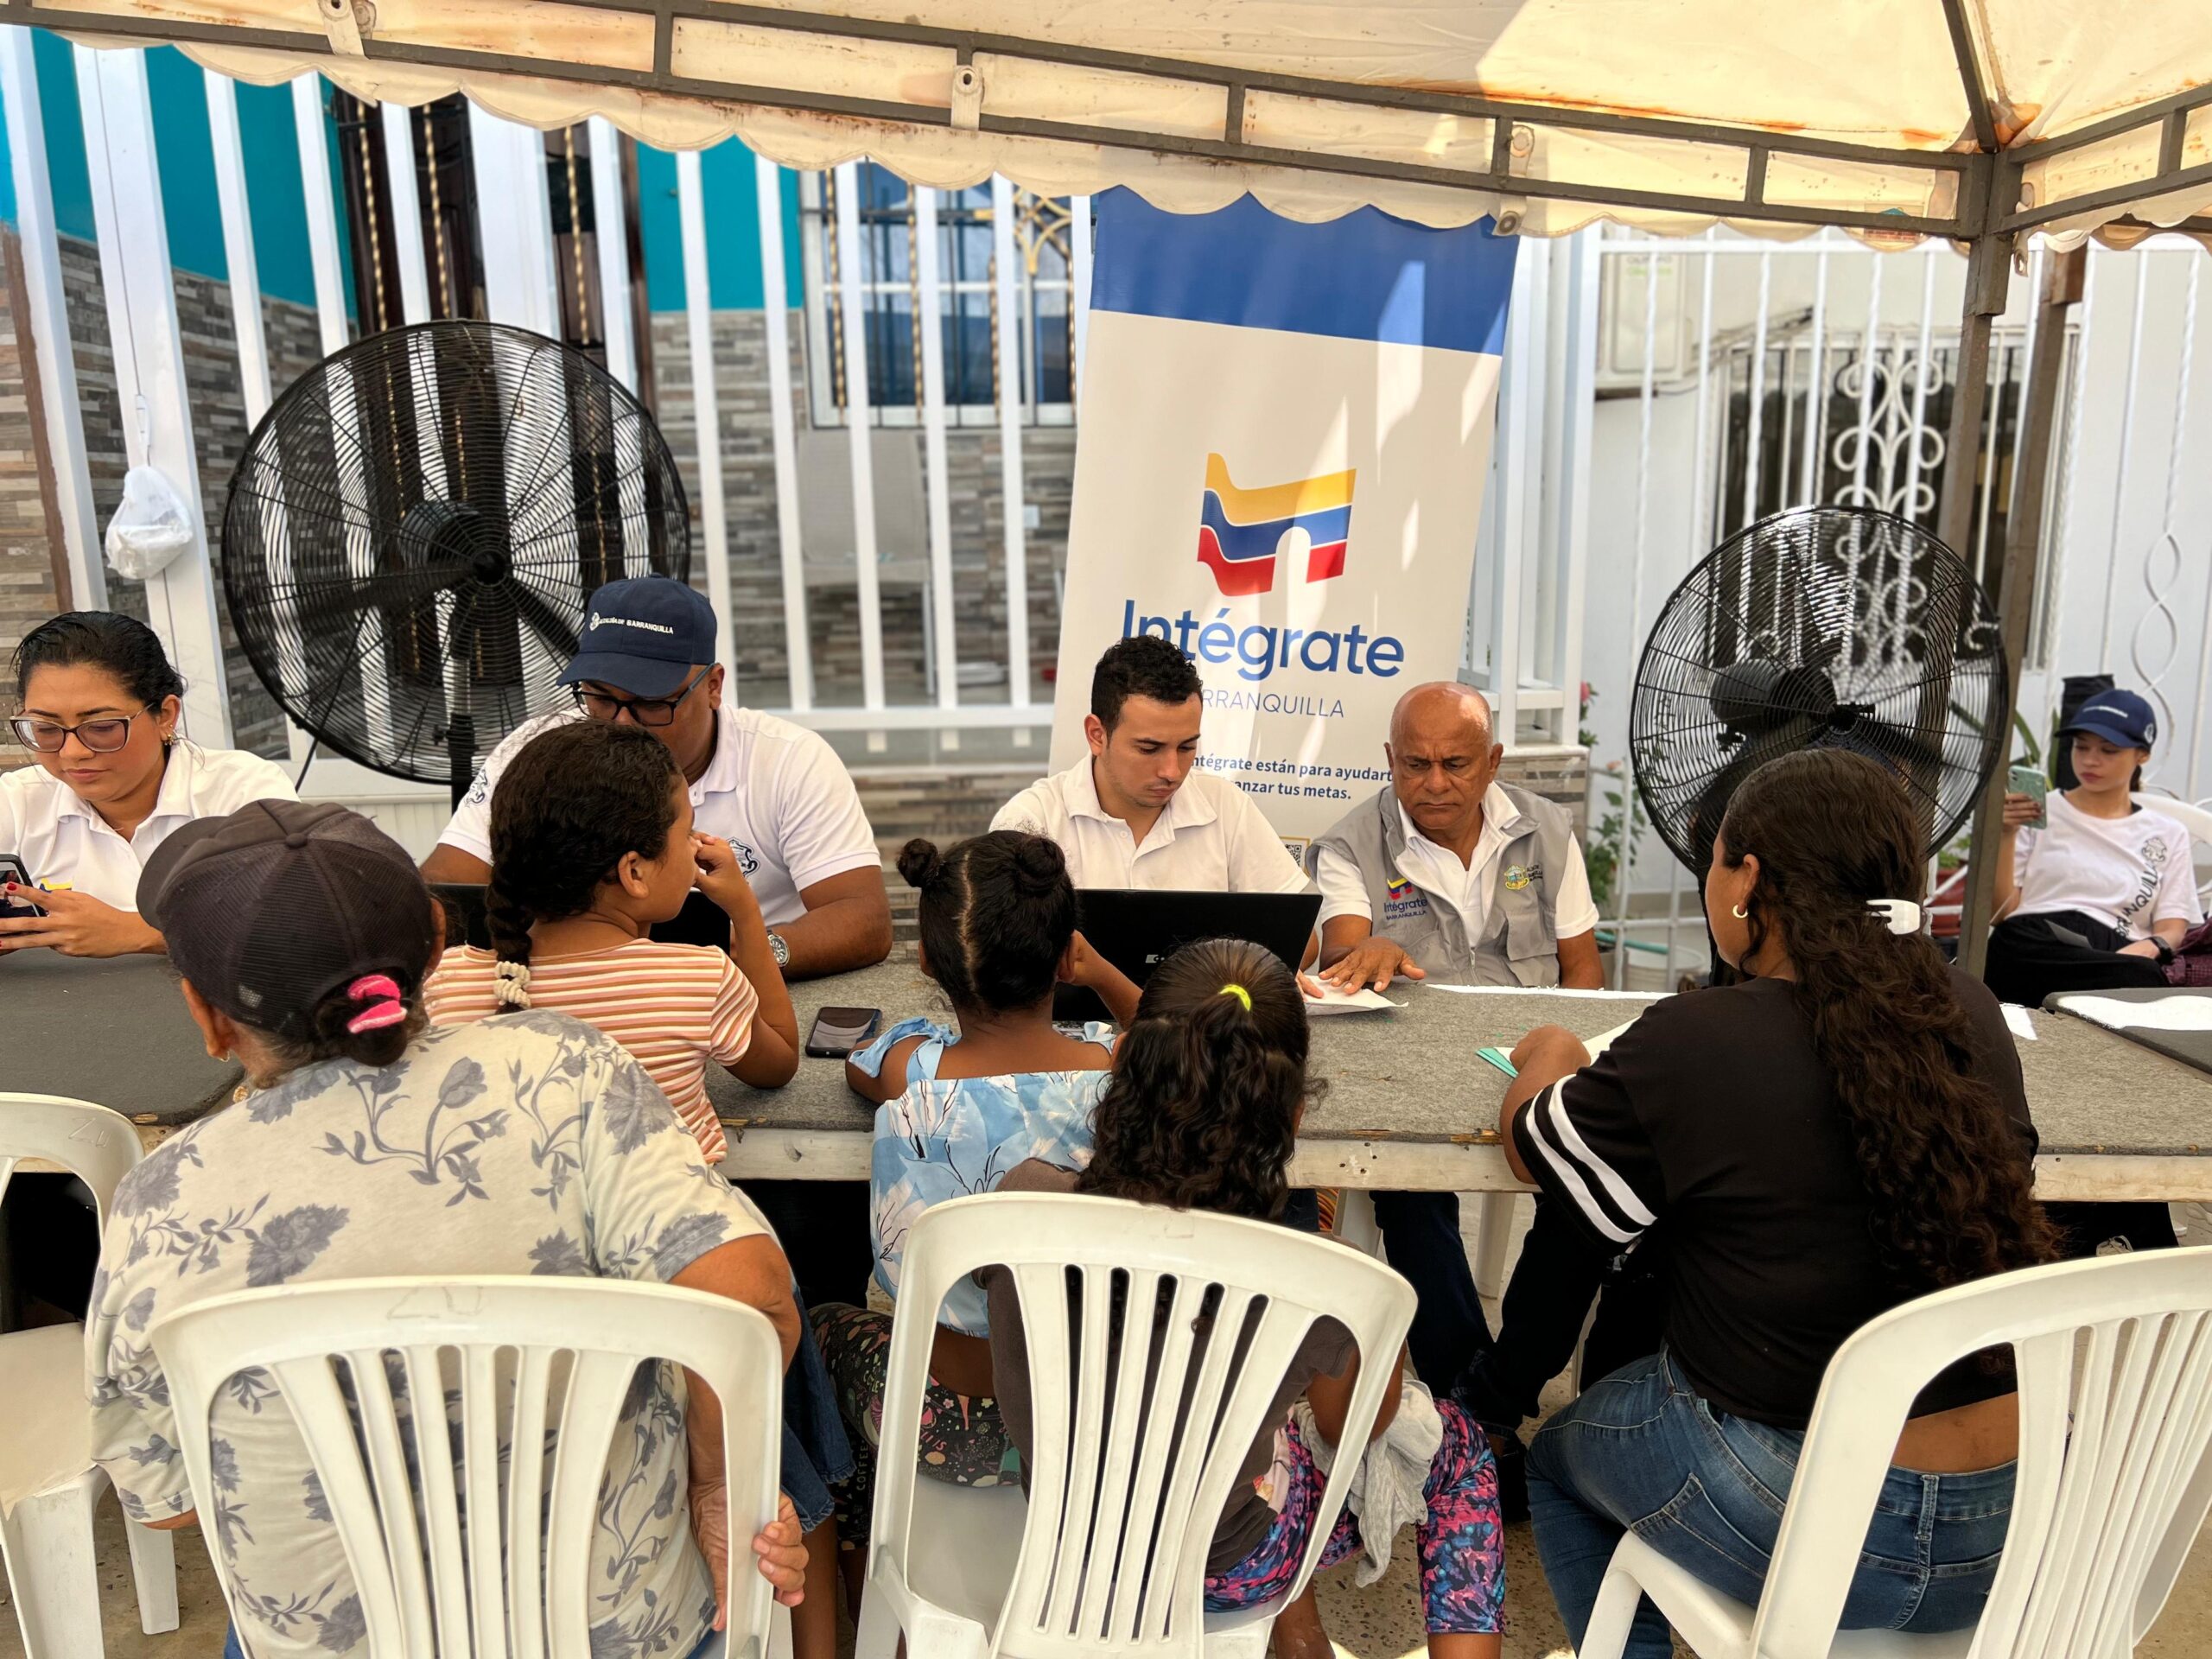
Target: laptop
x,y
1136,929
702,921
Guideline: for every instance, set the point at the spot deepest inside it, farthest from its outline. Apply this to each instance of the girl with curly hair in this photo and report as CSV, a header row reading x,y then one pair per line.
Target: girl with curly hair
x,y
1841,1132
1202,1113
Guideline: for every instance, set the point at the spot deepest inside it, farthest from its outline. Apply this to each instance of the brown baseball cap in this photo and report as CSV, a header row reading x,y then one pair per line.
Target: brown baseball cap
x,y
271,910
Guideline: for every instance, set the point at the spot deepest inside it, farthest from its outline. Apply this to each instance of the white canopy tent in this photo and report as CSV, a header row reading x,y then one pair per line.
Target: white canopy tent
x,y
1980,121
1947,117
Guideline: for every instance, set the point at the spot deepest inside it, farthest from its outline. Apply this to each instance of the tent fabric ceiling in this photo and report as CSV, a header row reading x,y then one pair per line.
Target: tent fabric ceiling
x,y
1671,115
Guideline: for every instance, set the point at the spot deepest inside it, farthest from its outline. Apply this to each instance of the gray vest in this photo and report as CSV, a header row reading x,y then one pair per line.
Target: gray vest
x,y
1523,947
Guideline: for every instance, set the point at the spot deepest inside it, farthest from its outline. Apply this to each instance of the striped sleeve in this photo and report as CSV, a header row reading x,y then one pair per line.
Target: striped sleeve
x,y
1582,1141
730,1024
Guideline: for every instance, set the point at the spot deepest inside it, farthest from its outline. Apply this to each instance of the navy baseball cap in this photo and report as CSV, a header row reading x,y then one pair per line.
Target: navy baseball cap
x,y
2118,717
642,635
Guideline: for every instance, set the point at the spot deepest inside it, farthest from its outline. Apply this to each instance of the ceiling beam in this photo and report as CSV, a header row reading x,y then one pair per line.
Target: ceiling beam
x,y
1969,62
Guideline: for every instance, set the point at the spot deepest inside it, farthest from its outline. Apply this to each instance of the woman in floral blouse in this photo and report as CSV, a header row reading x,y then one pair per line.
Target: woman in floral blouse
x,y
364,1145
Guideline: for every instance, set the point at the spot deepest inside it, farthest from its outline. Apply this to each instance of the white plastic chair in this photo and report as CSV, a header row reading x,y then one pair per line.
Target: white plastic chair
x,y
526,1354
2115,1367
49,1482
1108,1555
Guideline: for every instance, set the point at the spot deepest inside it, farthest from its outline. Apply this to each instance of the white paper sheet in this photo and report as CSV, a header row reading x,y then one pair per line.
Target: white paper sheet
x,y
1543,990
2183,1011
2022,1022
1332,1000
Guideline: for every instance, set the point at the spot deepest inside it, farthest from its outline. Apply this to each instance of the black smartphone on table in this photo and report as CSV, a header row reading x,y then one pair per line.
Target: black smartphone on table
x,y
838,1031
11,869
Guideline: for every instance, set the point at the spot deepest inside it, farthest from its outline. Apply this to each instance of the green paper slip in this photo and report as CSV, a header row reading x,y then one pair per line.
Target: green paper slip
x,y
1501,1058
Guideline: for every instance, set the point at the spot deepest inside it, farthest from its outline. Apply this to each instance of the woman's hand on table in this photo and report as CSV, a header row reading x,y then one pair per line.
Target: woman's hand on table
x,y
1549,1053
75,924
1373,962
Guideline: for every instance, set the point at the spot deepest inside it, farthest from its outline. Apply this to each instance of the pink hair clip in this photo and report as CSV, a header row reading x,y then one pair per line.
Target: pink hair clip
x,y
381,992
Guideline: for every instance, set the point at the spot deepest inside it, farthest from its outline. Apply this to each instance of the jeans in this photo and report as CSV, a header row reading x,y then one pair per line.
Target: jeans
x,y
1641,1451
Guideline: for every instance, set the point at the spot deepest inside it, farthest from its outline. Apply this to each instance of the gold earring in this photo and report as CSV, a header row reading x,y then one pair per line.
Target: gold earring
x,y
1739,912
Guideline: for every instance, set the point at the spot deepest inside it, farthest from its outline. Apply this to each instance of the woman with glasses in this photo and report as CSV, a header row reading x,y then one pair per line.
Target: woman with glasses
x,y
98,703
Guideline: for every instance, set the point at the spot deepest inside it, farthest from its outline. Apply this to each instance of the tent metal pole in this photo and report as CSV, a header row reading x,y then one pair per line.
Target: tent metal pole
x,y
1989,272
2016,584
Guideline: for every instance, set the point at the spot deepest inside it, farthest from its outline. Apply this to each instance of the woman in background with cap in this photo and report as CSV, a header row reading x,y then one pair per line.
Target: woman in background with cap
x,y
98,703
2095,894
363,1143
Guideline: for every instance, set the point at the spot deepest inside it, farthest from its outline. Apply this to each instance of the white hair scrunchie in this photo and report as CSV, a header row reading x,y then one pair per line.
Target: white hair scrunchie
x,y
512,989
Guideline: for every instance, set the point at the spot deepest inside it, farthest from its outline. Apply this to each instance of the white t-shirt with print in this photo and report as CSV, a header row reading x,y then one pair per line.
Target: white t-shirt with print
x,y
63,841
1467,888
777,792
1208,838
529,1144
2128,873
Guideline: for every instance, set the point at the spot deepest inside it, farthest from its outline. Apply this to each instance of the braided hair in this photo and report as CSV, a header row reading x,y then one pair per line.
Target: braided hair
x,y
577,800
997,913
1201,1112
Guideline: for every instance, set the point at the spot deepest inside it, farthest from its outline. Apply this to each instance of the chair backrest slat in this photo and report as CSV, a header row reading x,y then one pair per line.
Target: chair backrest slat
x,y
435,1454
2114,1359
1128,1311
393,1482
482,1407
589,1409
526,1504
459,1545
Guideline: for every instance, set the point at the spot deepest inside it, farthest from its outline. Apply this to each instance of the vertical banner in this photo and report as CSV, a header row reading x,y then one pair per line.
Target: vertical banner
x,y
1285,433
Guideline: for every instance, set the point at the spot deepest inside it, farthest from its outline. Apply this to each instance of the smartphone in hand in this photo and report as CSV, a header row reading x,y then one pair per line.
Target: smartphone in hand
x,y
2026,780
11,869
837,1032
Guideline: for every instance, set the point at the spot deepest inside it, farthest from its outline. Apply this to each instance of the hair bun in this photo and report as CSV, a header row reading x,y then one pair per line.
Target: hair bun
x,y
920,862
1040,866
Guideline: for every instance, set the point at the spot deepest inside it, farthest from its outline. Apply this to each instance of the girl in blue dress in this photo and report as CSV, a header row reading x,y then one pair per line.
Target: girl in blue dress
x,y
957,1107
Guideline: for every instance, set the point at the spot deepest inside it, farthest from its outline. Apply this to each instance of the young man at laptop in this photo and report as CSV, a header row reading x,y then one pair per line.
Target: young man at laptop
x,y
1449,875
1136,812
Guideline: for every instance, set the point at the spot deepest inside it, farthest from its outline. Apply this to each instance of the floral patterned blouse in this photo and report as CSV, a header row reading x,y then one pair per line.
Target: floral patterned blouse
x,y
955,1137
528,1144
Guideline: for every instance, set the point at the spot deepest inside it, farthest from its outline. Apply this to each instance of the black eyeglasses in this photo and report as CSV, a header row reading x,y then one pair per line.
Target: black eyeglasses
x,y
102,736
646,711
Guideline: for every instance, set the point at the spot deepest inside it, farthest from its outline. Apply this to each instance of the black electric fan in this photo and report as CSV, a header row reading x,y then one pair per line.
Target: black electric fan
x,y
414,528
1837,628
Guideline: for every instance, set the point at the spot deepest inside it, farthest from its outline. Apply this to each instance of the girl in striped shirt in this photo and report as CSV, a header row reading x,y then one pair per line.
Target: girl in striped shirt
x,y
591,845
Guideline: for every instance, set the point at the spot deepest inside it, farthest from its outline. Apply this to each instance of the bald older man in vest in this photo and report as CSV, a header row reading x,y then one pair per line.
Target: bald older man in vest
x,y
1448,874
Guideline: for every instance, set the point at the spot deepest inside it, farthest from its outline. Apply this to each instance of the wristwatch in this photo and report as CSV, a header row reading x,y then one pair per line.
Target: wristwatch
x,y
2164,947
779,950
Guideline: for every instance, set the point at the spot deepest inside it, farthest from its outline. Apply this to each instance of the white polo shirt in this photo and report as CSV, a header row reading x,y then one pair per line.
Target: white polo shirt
x,y
1209,837
1467,888
777,792
64,841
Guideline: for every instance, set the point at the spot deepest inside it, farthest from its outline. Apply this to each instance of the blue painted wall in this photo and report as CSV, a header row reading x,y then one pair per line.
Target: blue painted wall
x,y
728,183
185,154
185,157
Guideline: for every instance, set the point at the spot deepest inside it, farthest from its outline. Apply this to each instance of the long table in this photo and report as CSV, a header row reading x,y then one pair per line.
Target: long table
x,y
1407,1106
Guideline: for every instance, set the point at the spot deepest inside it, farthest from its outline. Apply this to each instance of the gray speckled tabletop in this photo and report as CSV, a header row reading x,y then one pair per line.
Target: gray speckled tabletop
x,y
1409,1103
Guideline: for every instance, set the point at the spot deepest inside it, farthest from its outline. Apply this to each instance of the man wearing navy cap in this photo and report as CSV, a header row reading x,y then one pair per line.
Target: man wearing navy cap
x,y
777,792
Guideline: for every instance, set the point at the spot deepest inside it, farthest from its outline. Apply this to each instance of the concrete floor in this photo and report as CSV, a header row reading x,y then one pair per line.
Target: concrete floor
x,y
1382,1622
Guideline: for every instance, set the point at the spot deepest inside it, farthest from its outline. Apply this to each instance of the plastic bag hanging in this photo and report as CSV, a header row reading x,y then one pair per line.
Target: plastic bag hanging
x,y
151,527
